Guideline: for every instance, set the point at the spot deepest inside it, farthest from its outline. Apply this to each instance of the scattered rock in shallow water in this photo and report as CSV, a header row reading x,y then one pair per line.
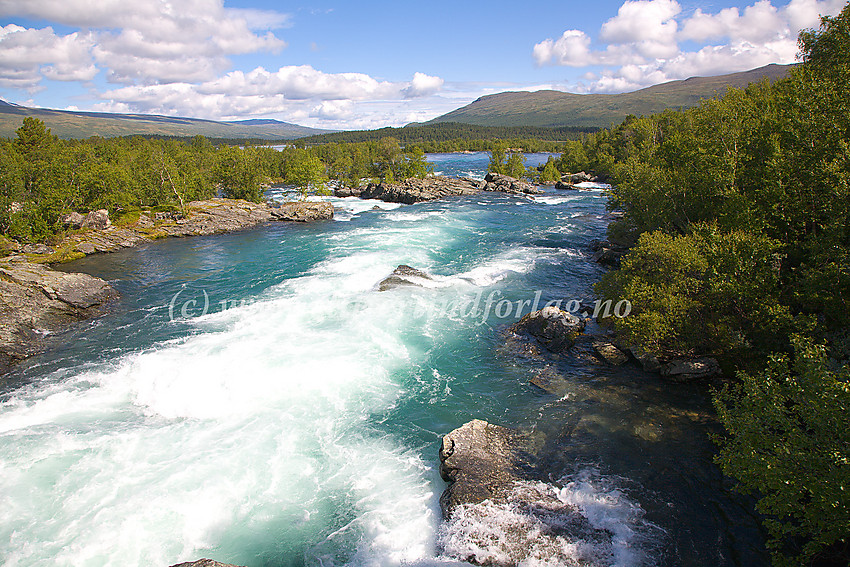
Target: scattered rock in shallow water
x,y
411,190
554,328
609,353
689,370
565,186
404,276
550,381
481,461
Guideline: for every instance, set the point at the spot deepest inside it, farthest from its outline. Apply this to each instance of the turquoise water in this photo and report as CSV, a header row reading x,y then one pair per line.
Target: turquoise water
x,y
252,398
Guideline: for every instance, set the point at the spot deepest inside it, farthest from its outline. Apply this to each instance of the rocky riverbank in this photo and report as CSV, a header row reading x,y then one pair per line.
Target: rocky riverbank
x,y
431,188
37,302
213,216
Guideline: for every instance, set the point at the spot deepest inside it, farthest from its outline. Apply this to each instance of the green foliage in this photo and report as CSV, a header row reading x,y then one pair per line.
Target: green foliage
x,y
515,166
573,157
708,292
550,173
741,205
789,443
497,157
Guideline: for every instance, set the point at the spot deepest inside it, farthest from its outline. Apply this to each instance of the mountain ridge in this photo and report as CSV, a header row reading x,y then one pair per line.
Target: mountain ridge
x,y
85,124
550,108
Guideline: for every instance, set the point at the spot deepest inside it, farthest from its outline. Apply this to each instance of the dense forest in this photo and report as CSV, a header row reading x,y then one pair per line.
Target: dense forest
x,y
736,216
43,177
453,137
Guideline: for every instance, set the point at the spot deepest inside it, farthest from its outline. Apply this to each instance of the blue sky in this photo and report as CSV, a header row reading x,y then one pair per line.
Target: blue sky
x,y
366,65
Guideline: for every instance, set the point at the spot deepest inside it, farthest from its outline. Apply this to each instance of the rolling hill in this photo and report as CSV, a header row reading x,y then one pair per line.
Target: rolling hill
x,y
78,124
556,108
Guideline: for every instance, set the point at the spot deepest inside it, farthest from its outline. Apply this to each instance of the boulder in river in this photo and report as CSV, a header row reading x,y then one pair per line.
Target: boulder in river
x,y
507,184
648,361
565,186
404,275
303,211
481,461
554,328
690,370
412,190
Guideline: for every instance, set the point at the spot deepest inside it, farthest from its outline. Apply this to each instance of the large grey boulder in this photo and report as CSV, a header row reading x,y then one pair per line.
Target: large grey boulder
x,y
412,190
404,275
507,184
73,219
690,370
554,328
481,461
303,211
97,220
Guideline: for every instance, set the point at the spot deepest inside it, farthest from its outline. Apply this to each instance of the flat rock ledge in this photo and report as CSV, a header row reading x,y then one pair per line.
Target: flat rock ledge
x,y
36,302
554,328
482,461
431,188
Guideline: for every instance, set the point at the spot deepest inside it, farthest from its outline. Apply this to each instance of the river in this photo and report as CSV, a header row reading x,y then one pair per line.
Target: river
x,y
253,398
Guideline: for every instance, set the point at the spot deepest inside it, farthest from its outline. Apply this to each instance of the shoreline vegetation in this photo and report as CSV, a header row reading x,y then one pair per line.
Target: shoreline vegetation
x,y
732,243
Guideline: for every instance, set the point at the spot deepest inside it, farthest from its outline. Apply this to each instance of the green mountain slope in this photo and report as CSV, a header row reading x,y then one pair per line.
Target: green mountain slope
x,y
74,124
555,108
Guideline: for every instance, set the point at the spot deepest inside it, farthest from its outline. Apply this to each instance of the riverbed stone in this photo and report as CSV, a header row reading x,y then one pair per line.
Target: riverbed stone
x,y
205,563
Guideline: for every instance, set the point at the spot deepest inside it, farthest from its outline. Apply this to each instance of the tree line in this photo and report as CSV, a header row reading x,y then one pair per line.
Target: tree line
x,y
736,216
43,177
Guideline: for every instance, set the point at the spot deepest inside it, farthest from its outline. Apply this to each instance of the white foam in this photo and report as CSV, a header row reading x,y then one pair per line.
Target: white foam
x,y
587,521
555,199
591,186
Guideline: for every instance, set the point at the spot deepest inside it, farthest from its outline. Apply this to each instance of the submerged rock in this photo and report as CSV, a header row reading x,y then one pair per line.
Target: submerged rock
x,y
689,370
481,461
554,328
609,353
404,275
36,301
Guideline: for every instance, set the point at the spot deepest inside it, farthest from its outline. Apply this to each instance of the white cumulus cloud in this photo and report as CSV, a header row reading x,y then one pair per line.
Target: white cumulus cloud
x,y
641,45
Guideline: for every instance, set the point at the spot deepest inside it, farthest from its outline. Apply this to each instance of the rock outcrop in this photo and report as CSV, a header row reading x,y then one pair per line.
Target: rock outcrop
x,y
213,216
607,253
690,370
97,220
36,301
506,184
431,188
412,190
481,461
404,275
554,328
303,212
